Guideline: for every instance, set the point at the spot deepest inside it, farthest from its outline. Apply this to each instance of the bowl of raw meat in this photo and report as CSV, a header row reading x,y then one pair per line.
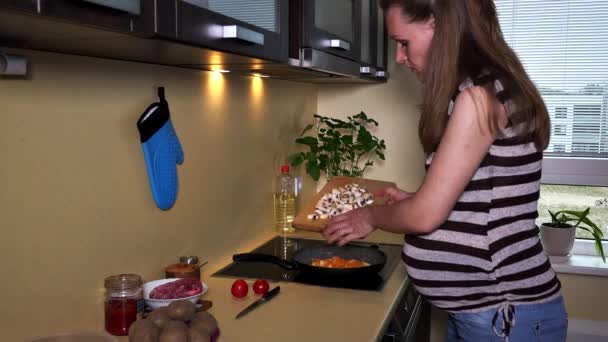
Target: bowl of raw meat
x,y
162,292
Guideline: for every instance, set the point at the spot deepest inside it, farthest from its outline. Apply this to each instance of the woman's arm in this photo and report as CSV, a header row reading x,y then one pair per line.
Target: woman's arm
x,y
466,141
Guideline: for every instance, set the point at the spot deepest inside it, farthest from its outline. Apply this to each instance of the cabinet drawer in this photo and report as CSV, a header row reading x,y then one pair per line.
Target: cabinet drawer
x,y
407,306
218,28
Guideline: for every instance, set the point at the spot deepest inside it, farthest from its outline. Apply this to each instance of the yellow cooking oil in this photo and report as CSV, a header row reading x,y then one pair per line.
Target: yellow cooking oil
x,y
284,212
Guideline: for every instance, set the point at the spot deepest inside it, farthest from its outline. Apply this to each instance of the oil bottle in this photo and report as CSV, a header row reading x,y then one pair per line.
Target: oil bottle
x,y
284,201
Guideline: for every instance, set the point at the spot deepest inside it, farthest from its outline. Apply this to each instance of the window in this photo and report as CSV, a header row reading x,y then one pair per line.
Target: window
x,y
559,129
564,47
561,112
559,148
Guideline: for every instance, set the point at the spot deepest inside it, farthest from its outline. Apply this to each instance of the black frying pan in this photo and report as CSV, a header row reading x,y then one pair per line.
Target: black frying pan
x,y
303,258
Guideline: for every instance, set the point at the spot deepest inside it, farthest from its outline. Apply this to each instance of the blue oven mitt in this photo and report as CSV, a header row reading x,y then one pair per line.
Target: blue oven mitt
x,y
162,151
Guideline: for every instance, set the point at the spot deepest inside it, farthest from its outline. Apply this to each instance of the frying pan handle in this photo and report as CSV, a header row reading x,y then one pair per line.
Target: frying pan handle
x,y
257,257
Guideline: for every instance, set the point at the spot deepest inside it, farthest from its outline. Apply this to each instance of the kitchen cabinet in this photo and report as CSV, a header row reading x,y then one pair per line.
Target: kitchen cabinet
x,y
250,28
243,36
331,26
126,16
411,320
342,37
373,41
381,41
22,5
367,31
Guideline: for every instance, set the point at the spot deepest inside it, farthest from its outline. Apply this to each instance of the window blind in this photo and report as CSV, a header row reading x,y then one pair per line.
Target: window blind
x,y
261,13
563,45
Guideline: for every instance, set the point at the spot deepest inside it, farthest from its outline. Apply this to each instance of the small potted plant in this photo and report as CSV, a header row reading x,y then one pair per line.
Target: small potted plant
x,y
558,235
339,147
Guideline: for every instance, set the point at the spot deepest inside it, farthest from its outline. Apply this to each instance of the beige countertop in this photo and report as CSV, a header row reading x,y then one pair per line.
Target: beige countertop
x,y
304,312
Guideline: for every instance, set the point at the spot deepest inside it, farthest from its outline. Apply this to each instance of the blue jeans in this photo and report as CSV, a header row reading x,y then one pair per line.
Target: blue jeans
x,y
534,322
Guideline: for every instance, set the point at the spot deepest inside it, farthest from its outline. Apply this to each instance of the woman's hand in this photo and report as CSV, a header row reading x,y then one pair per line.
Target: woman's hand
x,y
352,225
394,194
357,223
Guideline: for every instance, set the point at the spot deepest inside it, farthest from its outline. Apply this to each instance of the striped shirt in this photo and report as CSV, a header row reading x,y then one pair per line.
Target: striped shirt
x,y
487,253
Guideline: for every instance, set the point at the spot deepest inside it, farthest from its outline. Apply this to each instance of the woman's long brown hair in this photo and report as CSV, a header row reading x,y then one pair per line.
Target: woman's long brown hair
x,y
467,41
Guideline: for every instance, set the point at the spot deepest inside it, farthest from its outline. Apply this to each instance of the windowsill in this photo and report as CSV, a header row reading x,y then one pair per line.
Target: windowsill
x,y
580,264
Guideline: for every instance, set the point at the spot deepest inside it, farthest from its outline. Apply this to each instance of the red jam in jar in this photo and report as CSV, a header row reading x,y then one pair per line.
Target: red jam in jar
x,y
123,302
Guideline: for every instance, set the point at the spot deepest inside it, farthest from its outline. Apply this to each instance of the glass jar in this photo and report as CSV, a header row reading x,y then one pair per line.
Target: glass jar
x,y
186,268
189,260
124,302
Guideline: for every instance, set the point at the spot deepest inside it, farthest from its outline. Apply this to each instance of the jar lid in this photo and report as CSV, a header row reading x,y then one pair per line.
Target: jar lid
x,y
189,259
123,281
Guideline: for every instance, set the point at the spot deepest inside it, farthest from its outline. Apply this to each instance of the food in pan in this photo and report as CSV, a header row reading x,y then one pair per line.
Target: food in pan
x,y
338,262
341,200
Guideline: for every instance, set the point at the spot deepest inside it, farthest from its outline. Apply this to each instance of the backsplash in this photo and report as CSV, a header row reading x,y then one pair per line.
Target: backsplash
x,y
76,203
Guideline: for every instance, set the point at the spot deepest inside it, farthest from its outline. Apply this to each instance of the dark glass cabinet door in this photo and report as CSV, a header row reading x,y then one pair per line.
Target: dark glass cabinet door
x,y
25,5
367,22
380,60
129,16
252,28
333,26
373,41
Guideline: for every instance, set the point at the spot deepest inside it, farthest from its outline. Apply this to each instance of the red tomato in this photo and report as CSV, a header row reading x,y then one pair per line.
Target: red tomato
x,y
239,288
260,286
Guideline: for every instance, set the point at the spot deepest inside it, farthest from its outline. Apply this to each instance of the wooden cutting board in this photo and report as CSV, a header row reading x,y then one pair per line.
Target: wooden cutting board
x,y
301,220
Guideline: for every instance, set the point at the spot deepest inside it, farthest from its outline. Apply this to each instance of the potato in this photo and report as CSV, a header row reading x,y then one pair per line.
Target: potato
x,y
175,325
205,321
143,330
196,334
182,310
159,317
174,331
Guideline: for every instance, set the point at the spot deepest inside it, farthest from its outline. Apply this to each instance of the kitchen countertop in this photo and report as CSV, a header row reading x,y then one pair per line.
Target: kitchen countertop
x,y
303,312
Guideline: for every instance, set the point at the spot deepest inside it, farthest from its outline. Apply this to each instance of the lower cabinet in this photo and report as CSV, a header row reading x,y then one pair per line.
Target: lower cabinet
x,y
411,321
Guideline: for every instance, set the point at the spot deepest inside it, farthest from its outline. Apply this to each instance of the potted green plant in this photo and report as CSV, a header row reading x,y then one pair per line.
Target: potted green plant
x,y
558,235
339,147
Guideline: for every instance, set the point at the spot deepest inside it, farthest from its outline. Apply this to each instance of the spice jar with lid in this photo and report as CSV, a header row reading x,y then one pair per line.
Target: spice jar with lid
x,y
124,302
187,267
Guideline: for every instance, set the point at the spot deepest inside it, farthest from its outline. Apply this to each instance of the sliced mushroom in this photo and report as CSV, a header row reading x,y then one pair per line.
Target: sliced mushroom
x,y
340,200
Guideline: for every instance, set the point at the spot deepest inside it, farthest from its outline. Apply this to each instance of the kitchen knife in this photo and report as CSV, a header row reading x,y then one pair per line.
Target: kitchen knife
x,y
266,297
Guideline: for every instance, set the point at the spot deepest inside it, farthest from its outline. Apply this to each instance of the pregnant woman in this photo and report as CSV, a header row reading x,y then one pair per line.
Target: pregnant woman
x,y
471,245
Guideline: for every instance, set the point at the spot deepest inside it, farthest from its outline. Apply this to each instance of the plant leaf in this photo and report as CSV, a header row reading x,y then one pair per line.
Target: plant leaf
x,y
306,129
312,168
599,248
296,159
347,139
361,116
323,160
308,141
553,216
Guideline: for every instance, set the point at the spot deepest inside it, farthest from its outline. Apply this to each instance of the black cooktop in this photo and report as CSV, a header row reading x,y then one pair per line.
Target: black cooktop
x,y
284,247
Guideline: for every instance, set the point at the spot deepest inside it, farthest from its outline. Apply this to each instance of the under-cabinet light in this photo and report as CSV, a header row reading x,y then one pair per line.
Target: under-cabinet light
x,y
12,65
